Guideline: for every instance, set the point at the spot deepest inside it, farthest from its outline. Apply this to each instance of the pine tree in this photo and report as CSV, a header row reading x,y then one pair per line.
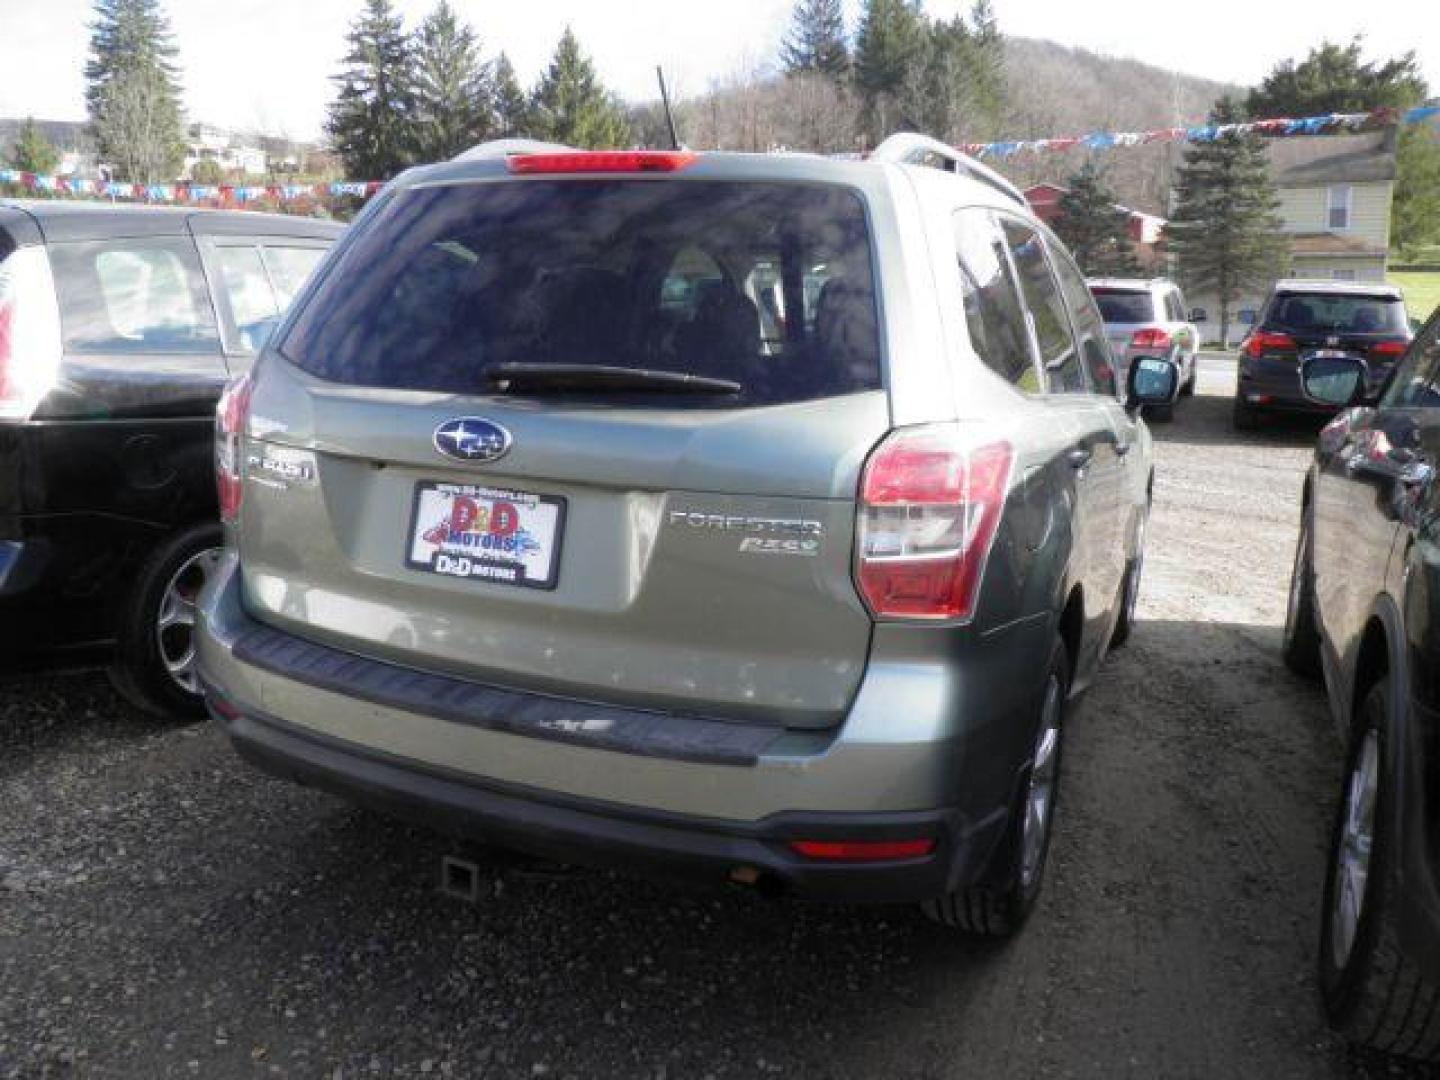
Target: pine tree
x,y
1334,78
1225,232
987,70
889,53
571,106
939,94
369,120
511,106
132,90
1093,227
452,108
33,152
816,41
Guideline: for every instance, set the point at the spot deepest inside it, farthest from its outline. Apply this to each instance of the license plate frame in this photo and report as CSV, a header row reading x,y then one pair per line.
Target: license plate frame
x,y
467,552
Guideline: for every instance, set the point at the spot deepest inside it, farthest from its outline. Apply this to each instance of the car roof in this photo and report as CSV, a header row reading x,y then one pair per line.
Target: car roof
x,y
1344,288
60,220
1138,284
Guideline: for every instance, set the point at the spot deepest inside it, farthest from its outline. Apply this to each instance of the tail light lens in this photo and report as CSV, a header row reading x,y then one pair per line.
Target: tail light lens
x,y
1151,338
1263,341
30,342
230,418
1389,350
930,505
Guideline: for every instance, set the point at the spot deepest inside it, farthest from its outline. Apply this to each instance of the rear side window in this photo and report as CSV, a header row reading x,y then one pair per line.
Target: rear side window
x,y
1089,329
254,309
1125,305
993,314
1338,313
765,284
1047,309
289,269
133,296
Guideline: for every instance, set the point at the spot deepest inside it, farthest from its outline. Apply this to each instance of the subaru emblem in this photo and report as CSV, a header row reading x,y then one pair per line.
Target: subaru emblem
x,y
472,438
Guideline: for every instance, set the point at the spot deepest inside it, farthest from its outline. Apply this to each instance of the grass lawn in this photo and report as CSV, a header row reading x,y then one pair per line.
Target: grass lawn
x,y
1422,292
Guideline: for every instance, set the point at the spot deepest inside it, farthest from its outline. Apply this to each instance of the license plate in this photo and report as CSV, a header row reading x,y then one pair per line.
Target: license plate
x,y
486,534
1330,354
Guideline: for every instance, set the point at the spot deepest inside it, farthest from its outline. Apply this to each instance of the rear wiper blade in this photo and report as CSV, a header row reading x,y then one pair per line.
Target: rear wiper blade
x,y
521,376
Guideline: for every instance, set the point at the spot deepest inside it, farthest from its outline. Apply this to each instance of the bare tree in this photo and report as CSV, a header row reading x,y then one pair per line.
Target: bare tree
x,y
136,121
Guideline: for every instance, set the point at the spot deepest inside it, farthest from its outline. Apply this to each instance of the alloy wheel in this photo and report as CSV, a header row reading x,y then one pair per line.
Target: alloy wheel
x,y
175,620
1354,848
1040,793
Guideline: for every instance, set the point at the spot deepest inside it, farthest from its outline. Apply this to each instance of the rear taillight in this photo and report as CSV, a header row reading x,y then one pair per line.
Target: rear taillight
x,y
601,161
930,505
1263,341
230,418
1152,337
1389,350
30,347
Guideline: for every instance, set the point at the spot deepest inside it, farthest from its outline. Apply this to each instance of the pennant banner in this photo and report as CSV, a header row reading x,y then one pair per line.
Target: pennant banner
x,y
1333,124
242,195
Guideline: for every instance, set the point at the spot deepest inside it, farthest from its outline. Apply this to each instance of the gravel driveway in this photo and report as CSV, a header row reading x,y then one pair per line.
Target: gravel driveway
x,y
165,911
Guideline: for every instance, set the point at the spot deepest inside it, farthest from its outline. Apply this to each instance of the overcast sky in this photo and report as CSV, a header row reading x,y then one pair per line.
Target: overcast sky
x,y
265,63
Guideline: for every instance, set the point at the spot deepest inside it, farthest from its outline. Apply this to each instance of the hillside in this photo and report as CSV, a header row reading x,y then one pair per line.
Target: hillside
x,y
1058,90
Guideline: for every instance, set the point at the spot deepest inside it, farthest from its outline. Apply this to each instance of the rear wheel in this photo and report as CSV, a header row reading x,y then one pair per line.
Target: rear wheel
x,y
1131,594
1188,389
154,665
998,909
1301,644
1375,993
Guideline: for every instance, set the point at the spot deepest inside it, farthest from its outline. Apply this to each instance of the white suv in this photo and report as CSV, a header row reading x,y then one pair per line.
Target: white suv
x,y
1148,318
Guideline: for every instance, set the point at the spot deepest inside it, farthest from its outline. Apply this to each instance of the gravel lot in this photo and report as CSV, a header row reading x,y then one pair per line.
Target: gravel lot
x,y
165,911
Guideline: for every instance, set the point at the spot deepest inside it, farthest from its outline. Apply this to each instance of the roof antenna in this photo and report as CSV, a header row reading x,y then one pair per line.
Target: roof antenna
x,y
665,100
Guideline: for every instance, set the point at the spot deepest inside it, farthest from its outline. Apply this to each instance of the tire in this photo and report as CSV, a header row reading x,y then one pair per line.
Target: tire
x,y
999,907
1300,647
165,589
1245,417
1373,991
1130,594
1188,390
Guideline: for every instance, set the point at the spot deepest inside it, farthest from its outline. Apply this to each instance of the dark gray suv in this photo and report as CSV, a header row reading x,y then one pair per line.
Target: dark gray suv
x,y
750,517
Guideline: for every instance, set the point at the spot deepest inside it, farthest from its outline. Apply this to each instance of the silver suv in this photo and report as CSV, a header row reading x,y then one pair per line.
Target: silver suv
x,y
1148,318
750,517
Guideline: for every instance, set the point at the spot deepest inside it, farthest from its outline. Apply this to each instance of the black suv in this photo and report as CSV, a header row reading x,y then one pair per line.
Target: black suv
x,y
1326,319
119,327
1364,610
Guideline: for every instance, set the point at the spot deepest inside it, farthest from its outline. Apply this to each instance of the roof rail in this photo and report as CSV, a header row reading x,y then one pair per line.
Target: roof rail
x,y
908,148
499,148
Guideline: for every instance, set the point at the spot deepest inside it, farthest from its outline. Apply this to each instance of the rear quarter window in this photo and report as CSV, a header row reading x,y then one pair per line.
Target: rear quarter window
x,y
763,283
133,296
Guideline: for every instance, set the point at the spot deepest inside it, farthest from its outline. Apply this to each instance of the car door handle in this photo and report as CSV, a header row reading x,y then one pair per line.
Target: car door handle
x,y
1079,457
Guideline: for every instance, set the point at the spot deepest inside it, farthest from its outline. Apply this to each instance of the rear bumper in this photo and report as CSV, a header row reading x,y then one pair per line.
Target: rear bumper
x,y
592,784
584,833
1275,384
62,577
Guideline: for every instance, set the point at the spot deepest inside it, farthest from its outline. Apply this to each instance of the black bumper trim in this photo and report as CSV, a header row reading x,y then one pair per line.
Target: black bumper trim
x,y
653,843
603,727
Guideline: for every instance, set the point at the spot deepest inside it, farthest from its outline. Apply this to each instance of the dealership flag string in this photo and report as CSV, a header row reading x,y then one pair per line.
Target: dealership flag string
x,y
257,195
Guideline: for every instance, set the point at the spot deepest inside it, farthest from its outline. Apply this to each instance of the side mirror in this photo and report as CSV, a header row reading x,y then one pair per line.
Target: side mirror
x,y
1335,381
1153,380
1198,314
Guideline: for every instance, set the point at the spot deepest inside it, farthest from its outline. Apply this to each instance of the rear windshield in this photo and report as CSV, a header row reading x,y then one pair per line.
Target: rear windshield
x,y
765,284
1355,314
1120,306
